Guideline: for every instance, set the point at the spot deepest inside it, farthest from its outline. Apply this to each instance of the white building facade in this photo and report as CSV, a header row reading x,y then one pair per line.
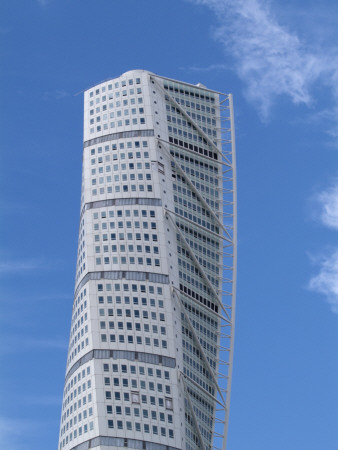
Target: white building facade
x,y
151,342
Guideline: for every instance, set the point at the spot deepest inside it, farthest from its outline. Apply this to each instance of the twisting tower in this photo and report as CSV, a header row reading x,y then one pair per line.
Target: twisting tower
x,y
151,342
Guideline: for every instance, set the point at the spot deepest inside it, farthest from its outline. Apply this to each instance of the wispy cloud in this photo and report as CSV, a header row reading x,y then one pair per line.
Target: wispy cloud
x,y
9,432
10,267
20,433
57,343
13,432
326,281
326,206
23,266
270,59
209,68
328,117
58,94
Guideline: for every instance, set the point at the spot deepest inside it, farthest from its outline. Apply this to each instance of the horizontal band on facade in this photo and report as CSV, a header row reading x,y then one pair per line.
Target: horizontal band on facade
x,y
121,442
120,135
121,202
149,358
122,275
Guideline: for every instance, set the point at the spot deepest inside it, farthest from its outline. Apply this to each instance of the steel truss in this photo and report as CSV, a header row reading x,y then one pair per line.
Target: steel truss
x,y
224,296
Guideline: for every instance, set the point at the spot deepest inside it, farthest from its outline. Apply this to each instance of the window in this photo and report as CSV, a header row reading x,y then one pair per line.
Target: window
x,y
169,403
135,397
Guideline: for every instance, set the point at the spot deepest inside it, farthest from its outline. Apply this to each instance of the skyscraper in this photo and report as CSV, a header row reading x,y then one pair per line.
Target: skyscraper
x,y
151,342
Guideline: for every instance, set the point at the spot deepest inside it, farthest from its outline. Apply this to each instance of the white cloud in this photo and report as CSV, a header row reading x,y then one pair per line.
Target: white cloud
x,y
326,282
13,432
58,94
270,59
207,68
8,434
56,343
327,200
329,118
17,433
325,210
22,266
8,267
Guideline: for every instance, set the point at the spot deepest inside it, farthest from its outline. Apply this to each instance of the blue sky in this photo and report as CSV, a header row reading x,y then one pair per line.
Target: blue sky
x,y
280,61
